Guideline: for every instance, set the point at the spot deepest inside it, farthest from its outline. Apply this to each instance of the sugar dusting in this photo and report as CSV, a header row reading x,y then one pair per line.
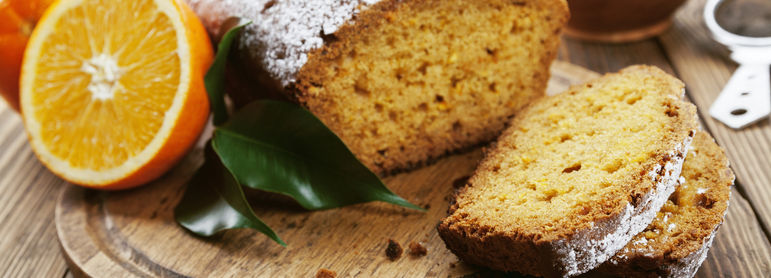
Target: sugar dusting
x,y
584,251
282,33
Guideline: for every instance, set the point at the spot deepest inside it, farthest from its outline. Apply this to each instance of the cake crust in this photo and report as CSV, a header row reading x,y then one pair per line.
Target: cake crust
x,y
572,248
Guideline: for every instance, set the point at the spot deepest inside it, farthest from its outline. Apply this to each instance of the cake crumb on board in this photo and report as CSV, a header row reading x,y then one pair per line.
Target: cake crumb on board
x,y
394,250
417,249
326,273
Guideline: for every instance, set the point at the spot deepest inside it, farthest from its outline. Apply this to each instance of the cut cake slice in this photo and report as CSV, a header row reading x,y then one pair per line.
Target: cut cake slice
x,y
575,177
401,82
677,241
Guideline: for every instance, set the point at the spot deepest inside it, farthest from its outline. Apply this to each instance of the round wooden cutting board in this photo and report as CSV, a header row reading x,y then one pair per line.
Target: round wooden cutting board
x,y
133,233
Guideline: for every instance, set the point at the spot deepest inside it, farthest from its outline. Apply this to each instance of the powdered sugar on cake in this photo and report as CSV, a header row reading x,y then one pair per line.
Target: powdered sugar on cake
x,y
282,33
591,247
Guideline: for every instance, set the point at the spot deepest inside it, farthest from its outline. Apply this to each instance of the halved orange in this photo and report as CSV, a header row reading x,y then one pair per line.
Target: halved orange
x,y
112,91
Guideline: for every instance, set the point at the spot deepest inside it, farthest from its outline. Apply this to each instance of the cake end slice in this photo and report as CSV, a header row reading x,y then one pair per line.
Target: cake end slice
x,y
677,241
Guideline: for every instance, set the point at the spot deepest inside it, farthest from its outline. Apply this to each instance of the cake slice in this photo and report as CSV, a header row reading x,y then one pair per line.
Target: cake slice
x,y
575,177
677,241
399,81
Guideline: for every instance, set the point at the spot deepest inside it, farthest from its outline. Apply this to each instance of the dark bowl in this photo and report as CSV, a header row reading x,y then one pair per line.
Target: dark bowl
x,y
620,20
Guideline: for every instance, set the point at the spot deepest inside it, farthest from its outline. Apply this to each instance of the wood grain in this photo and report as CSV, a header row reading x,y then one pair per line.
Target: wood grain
x,y
704,66
28,239
605,58
132,233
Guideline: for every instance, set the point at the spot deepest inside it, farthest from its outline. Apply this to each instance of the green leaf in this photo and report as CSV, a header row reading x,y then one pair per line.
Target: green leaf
x,y
215,77
281,147
214,201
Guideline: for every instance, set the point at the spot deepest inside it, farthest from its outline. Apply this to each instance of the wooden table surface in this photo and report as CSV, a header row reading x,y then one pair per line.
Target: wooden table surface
x,y
29,247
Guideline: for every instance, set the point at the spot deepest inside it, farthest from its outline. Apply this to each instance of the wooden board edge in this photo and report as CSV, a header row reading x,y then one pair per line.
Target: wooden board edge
x,y
83,256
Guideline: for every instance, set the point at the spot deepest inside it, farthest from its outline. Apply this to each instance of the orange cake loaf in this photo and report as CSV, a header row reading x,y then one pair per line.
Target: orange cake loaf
x,y
399,81
575,177
677,241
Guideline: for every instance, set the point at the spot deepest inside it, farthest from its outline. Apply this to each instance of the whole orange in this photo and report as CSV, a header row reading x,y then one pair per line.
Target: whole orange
x,y
17,19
